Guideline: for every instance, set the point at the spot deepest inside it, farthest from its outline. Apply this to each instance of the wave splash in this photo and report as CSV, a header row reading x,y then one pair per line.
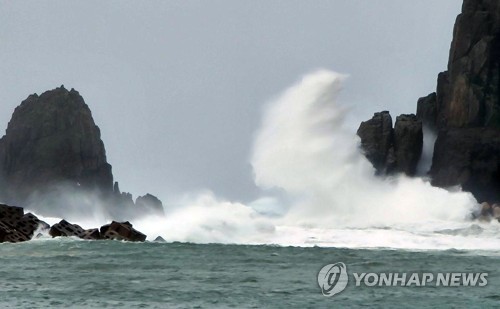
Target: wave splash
x,y
329,195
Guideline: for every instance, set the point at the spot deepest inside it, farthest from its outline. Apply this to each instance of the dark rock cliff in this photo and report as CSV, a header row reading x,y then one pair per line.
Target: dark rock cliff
x,y
408,142
426,110
52,138
466,108
389,149
52,160
464,111
469,157
377,138
471,89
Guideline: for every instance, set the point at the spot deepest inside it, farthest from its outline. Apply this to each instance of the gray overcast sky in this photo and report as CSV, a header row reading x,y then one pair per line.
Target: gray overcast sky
x,y
177,87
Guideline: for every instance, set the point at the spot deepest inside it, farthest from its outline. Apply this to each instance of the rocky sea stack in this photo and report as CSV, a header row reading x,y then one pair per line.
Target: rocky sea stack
x,y
391,149
464,112
53,161
52,139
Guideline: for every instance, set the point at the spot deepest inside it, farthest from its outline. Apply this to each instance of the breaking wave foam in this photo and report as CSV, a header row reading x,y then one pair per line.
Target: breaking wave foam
x,y
331,196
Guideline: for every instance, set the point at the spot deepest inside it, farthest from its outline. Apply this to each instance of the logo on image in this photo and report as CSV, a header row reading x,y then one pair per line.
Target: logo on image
x,y
332,279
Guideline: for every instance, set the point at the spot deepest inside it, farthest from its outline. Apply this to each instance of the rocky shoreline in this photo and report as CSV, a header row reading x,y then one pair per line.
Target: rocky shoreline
x,y
17,226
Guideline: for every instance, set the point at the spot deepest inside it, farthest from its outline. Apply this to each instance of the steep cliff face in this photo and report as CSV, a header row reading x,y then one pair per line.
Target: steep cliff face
x,y
469,157
467,93
52,138
465,110
426,110
408,143
471,89
377,138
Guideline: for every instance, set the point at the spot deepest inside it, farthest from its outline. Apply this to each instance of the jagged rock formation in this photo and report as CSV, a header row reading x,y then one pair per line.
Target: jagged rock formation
x,y
147,204
377,139
150,203
471,90
392,150
124,202
52,138
465,109
467,93
53,160
426,110
408,142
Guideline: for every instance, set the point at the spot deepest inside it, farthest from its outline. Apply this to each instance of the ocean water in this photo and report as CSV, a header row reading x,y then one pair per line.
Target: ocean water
x,y
70,273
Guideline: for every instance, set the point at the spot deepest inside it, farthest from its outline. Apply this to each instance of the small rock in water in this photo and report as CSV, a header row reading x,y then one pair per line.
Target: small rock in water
x,y
159,239
121,231
114,230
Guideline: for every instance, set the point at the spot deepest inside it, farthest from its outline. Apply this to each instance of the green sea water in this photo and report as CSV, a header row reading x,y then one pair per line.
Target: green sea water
x,y
68,273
